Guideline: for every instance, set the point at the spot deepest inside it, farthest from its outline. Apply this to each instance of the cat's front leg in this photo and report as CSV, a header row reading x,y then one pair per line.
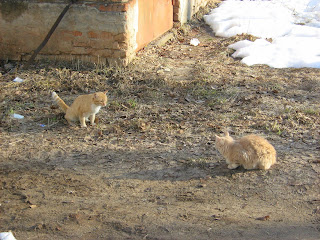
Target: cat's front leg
x,y
249,166
233,165
92,118
83,121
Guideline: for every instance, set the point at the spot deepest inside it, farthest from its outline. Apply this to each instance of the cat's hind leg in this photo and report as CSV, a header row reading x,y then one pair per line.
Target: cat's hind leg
x,y
69,119
233,165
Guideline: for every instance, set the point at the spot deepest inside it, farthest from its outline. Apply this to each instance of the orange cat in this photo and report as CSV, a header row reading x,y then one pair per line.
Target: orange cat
x,y
83,108
252,152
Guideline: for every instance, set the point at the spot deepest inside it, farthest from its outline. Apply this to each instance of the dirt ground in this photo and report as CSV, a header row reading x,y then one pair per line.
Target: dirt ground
x,y
149,169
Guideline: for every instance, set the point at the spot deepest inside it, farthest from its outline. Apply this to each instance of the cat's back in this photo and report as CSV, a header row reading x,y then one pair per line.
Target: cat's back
x,y
256,143
82,100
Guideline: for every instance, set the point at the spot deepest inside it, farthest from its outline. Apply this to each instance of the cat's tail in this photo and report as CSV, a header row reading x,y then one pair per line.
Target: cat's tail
x,y
59,101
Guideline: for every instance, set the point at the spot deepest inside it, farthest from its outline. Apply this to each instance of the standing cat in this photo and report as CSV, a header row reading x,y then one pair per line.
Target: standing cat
x,y
83,108
252,152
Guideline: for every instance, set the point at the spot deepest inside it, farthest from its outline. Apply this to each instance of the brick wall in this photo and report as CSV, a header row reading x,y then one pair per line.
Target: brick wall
x,y
101,31
97,31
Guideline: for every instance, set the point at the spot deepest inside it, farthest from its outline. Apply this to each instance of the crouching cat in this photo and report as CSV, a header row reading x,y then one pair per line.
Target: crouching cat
x,y
83,108
252,152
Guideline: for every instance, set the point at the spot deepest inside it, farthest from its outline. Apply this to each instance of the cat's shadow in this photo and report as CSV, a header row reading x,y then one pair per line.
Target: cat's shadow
x,y
185,173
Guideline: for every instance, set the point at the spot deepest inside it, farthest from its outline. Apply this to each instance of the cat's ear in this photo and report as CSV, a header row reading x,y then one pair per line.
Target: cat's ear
x,y
226,133
217,137
105,92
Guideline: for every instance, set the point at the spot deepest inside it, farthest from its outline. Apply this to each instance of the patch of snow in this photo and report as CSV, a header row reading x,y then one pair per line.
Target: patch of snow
x,y
293,26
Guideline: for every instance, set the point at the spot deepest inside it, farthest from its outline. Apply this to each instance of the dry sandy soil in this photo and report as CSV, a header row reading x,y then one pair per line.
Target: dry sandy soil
x,y
149,169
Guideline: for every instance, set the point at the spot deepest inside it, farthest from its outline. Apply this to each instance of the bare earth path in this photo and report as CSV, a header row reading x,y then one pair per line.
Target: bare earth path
x,y
149,169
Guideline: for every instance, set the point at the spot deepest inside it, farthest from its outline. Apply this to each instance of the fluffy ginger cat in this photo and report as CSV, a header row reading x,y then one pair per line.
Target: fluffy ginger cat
x,y
252,152
83,108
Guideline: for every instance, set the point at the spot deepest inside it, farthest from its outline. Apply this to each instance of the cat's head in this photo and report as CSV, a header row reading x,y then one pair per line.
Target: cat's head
x,y
222,142
100,98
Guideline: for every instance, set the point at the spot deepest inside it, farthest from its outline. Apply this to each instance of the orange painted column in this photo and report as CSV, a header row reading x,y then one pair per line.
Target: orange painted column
x,y
155,18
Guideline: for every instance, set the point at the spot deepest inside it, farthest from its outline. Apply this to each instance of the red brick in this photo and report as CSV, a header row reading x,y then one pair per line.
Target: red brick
x,y
115,45
118,0
77,33
81,42
121,7
121,37
102,8
74,33
100,43
123,45
91,4
65,37
115,7
120,54
125,7
92,34
105,8
81,50
106,35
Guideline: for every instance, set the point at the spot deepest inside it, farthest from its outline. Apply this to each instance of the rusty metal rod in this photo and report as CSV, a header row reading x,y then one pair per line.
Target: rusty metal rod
x,y
44,42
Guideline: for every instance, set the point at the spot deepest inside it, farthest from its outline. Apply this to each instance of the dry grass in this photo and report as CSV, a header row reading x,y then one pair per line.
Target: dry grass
x,y
154,143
